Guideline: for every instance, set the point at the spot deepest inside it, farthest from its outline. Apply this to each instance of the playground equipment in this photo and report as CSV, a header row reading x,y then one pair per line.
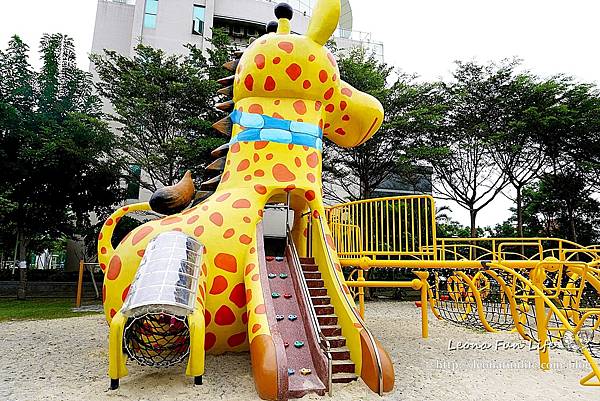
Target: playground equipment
x,y
545,289
166,301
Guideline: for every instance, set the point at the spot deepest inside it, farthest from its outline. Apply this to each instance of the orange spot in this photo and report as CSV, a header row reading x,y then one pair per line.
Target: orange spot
x,y
103,293
192,219
249,82
109,222
346,117
255,108
224,316
298,162
259,60
225,176
309,195
256,157
347,92
113,313
249,268
311,58
217,219
269,156
244,239
226,262
323,76
209,341
277,102
331,59
340,131
237,339
247,177
241,204
198,231
316,214
290,146
245,317
306,84
270,84
103,250
318,105
261,189
141,234
170,220
125,292
238,295
289,188
248,295
100,237
282,174
228,233
279,116
300,107
255,328
294,71
223,197
244,164
260,144
328,94
252,250
343,105
235,147
259,173
260,212
247,219
207,317
140,253
311,177
114,268
218,286
277,60
103,266
287,47
330,108
312,160
330,242
260,309
205,207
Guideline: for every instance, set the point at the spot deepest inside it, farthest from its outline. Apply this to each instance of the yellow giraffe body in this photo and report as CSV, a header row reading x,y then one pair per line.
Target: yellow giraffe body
x,y
280,75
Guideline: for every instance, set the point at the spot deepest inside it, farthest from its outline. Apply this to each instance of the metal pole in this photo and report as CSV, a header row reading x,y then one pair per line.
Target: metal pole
x,y
79,285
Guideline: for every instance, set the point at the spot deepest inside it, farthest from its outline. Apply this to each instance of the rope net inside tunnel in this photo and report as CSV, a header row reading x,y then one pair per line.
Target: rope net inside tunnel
x,y
157,339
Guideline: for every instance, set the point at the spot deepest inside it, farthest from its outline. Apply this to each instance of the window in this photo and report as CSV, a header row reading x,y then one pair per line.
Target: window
x,y
198,25
133,181
150,14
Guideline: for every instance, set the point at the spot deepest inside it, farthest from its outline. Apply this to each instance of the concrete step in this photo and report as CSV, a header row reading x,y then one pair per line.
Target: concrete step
x,y
343,366
320,300
343,377
315,283
317,292
312,275
327,320
307,260
310,267
336,341
323,309
340,353
331,331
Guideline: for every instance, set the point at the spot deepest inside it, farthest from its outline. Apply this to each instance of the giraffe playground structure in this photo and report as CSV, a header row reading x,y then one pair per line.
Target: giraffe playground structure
x,y
198,280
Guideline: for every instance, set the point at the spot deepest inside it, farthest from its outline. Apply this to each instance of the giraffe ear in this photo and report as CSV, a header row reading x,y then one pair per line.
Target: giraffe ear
x,y
324,21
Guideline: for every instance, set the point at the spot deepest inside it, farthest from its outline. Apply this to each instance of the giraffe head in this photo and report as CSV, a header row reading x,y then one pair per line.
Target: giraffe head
x,y
283,65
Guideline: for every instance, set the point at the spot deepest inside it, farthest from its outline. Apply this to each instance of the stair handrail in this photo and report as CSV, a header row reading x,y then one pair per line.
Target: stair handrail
x,y
323,342
356,315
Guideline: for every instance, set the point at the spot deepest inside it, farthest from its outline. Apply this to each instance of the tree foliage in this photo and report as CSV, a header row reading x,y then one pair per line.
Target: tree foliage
x,y
164,107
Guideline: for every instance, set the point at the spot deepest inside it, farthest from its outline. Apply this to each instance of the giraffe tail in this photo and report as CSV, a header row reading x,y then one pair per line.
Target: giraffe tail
x,y
105,248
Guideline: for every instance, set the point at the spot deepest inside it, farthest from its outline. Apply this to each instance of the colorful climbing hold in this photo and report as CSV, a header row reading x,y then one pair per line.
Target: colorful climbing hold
x,y
286,344
283,276
287,296
292,317
272,275
279,317
305,371
299,344
291,371
275,295
279,258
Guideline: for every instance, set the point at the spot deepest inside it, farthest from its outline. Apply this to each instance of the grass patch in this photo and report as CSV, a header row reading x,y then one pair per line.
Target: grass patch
x,y
36,309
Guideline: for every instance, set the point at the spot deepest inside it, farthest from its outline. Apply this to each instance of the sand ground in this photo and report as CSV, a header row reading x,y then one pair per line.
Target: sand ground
x,y
66,359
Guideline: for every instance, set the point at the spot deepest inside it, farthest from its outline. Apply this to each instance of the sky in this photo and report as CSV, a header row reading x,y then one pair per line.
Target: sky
x,y
420,36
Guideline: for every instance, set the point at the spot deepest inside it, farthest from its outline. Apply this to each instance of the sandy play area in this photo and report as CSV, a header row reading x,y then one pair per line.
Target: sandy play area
x,y
66,360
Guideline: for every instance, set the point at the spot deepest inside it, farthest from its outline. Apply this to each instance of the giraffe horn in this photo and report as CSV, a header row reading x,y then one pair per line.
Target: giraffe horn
x,y
210,185
220,151
225,106
227,81
224,126
231,65
217,165
227,91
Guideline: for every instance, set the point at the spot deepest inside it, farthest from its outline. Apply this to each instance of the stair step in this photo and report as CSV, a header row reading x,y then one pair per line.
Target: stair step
x,y
343,366
312,275
320,300
315,283
343,377
310,267
307,260
323,309
317,292
340,353
336,341
327,320
331,330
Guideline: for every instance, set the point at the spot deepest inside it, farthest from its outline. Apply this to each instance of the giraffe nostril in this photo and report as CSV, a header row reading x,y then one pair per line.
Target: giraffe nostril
x,y
272,26
284,10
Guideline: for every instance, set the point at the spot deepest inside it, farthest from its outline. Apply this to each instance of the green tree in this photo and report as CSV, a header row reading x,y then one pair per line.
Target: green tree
x,y
58,164
164,107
